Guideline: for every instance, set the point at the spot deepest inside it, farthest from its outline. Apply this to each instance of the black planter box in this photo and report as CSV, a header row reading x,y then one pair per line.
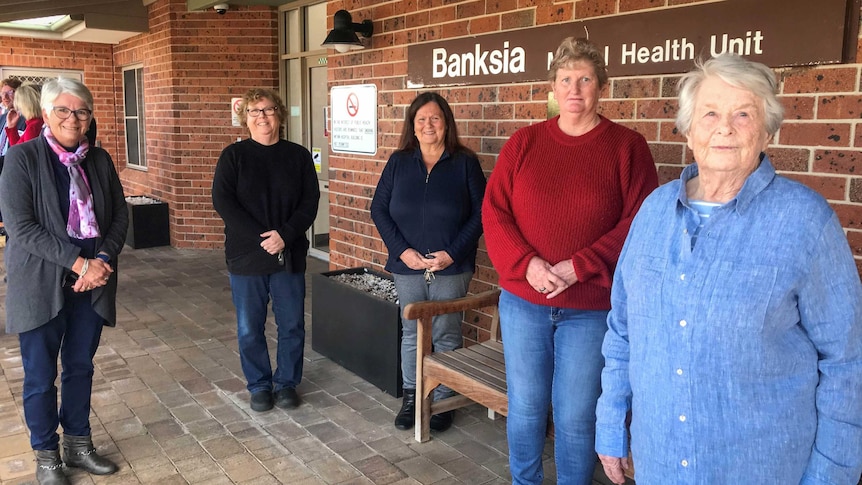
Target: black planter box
x,y
357,330
148,225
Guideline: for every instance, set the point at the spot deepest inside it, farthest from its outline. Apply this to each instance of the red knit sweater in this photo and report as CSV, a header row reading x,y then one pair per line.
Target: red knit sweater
x,y
565,197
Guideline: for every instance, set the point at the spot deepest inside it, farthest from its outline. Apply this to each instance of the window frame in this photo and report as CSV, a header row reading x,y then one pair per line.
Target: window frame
x,y
138,118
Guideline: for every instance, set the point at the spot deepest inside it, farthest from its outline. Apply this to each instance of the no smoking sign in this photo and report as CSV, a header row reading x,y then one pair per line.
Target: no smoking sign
x,y
354,119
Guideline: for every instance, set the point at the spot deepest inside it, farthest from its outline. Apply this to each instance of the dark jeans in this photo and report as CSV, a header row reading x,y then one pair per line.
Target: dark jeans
x,y
74,335
251,294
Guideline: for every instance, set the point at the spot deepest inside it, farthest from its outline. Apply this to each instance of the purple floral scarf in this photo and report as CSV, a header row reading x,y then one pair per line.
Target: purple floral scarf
x,y
82,222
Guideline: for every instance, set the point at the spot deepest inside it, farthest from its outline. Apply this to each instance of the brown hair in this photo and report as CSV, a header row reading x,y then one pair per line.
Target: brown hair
x,y
254,95
11,82
573,50
408,133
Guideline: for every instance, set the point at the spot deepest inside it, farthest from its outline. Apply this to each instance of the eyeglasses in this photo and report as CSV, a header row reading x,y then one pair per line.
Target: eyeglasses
x,y
63,113
7,94
254,113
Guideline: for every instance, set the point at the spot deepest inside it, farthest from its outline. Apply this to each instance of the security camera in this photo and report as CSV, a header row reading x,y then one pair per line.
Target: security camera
x,y
221,8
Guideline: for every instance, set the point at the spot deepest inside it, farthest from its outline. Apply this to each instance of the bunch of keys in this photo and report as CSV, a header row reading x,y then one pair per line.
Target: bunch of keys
x,y
429,275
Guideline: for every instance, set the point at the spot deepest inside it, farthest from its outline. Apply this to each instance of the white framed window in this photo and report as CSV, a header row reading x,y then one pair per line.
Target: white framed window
x,y
133,116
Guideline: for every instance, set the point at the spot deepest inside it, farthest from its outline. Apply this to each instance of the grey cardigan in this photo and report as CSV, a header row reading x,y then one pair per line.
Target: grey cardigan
x,y
39,254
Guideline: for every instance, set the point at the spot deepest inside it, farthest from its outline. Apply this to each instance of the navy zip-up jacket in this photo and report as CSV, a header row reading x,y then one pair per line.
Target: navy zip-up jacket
x,y
430,211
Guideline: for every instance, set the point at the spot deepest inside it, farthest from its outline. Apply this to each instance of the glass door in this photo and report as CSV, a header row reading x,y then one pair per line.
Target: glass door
x,y
319,147
303,83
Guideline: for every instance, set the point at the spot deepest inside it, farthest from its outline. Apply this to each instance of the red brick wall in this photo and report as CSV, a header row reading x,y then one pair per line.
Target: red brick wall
x,y
819,143
93,59
194,63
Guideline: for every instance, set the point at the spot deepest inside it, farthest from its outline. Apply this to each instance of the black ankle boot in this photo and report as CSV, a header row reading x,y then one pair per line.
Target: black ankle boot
x,y
442,421
79,452
49,468
407,415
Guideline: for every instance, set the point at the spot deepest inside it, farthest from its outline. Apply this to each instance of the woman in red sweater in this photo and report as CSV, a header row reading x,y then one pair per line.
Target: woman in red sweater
x,y
26,105
557,209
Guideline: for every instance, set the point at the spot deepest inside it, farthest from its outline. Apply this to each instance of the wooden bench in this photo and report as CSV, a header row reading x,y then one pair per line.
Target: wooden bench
x,y
477,373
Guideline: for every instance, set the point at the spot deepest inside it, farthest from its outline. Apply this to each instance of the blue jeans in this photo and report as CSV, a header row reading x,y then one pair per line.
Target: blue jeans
x,y
553,356
251,294
73,335
445,329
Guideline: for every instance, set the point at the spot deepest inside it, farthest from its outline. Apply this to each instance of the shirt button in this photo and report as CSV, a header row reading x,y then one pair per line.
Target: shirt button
x,y
682,323
679,372
685,231
682,277
682,417
684,463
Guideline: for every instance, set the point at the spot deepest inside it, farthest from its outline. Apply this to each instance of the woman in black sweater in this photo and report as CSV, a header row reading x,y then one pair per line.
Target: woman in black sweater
x,y
265,189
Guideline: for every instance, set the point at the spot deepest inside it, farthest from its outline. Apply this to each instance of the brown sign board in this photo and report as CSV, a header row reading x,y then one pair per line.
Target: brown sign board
x,y
775,32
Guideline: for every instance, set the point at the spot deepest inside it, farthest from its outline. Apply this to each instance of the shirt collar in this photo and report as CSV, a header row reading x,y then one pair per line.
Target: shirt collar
x,y
754,184
417,155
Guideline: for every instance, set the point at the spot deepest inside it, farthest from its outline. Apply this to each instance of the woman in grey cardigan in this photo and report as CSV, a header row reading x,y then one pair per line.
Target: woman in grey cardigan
x,y
66,216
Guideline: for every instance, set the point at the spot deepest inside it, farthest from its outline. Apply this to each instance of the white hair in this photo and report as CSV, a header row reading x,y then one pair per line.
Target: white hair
x,y
55,87
738,72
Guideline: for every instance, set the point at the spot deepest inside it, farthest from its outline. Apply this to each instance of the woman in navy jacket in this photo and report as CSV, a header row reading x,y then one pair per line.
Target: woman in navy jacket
x,y
427,208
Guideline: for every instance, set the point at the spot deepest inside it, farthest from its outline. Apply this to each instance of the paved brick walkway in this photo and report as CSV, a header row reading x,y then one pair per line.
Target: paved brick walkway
x,y
169,402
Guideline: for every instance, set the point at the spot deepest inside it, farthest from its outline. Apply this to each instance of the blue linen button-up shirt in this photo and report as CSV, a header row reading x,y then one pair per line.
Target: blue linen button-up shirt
x,y
740,358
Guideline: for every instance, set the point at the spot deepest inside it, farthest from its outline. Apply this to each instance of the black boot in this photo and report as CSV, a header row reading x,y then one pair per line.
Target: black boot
x,y
79,452
49,468
407,415
442,421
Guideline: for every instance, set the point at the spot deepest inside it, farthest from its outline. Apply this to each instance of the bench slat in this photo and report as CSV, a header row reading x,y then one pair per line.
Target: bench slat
x,y
490,349
473,366
472,362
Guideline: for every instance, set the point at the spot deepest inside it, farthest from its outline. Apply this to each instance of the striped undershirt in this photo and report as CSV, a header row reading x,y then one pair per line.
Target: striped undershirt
x,y
704,210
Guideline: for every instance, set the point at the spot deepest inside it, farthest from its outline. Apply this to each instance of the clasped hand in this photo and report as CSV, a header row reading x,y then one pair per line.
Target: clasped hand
x,y
98,273
272,242
436,261
551,280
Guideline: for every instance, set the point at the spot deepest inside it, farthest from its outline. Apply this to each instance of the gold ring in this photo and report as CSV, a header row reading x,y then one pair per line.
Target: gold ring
x,y
542,289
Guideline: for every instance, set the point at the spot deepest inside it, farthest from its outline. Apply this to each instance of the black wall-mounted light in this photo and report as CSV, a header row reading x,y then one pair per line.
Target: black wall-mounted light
x,y
343,36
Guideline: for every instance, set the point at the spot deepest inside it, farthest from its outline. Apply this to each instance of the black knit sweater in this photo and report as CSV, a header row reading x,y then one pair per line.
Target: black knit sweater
x,y
258,188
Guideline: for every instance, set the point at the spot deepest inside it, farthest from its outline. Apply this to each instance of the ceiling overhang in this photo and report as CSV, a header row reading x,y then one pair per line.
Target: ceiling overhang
x,y
102,21
207,4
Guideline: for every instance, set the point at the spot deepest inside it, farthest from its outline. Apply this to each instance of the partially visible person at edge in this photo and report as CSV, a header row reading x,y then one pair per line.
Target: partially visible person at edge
x,y
26,106
8,87
427,209
67,219
735,336
265,189
7,100
558,207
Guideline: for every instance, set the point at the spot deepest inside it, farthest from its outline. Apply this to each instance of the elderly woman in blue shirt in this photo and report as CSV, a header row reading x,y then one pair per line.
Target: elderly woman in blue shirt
x,y
735,337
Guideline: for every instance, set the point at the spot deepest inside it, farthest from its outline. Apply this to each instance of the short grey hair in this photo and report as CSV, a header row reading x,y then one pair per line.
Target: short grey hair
x,y
736,71
55,87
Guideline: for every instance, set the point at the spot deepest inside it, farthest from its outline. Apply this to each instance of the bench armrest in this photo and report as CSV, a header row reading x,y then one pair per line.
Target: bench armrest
x,y
425,309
